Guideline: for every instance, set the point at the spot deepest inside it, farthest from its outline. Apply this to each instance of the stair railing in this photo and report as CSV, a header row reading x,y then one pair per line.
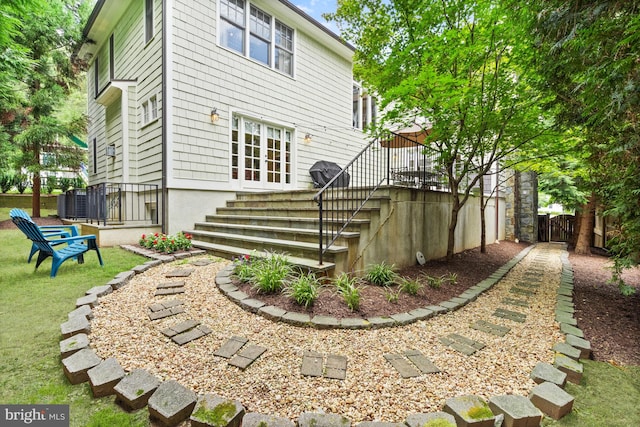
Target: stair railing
x,y
392,159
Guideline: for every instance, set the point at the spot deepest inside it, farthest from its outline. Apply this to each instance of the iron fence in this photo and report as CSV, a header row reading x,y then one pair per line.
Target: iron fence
x,y
393,160
118,203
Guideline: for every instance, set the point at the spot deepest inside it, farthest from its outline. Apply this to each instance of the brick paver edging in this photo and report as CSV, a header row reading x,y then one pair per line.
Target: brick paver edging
x,y
277,314
81,364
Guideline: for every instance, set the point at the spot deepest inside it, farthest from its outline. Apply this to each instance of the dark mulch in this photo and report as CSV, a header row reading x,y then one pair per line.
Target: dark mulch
x,y
609,320
470,267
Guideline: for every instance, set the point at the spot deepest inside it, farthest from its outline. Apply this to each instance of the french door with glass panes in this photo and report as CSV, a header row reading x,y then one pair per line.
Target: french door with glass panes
x,y
260,154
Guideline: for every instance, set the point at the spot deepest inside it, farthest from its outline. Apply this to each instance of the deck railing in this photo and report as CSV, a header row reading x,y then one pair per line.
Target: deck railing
x,y
393,160
119,203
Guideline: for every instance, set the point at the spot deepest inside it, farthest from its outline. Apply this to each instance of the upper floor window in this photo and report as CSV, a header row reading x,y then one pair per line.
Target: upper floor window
x,y
256,34
364,108
148,20
149,110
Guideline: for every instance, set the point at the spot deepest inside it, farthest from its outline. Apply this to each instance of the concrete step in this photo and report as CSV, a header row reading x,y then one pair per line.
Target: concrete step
x,y
339,203
341,213
309,194
263,231
283,221
300,249
230,252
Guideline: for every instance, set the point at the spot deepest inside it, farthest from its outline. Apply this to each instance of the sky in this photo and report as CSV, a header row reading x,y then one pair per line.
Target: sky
x,y
316,8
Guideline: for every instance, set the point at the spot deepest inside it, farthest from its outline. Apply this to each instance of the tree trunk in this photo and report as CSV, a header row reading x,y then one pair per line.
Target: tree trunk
x,y
451,241
35,197
583,244
483,221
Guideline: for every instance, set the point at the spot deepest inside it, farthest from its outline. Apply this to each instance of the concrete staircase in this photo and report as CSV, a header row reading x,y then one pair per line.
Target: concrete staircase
x,y
287,222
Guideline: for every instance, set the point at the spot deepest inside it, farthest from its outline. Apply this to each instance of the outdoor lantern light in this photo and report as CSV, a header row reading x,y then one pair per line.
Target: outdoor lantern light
x,y
307,138
214,115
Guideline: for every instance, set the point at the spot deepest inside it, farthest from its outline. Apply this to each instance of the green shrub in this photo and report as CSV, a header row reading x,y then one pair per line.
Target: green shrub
x,y
410,286
391,295
304,289
348,289
381,274
22,182
167,244
270,273
243,268
65,184
7,181
51,184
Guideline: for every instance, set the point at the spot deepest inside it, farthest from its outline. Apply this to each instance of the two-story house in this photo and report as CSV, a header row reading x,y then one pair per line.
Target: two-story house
x,y
207,98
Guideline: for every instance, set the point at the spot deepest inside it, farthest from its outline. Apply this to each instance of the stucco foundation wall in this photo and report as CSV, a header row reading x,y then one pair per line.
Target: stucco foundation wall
x,y
191,206
416,220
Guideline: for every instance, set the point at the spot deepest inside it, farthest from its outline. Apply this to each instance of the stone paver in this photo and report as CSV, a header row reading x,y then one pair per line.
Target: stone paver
x,y
179,272
312,364
567,350
583,345
191,335
421,419
423,363
490,328
518,411
314,419
462,344
76,366
216,411
165,309
469,411
254,419
545,372
520,291
335,367
551,400
75,325
515,302
134,390
73,344
405,368
247,356
180,328
510,315
171,403
569,366
230,347
104,377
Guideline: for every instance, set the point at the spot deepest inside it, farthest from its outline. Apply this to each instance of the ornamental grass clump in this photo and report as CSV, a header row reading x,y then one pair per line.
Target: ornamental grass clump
x,y
409,286
270,273
348,289
165,243
303,289
381,274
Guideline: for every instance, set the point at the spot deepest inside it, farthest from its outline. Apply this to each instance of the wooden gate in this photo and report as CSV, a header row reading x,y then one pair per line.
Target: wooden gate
x,y
557,229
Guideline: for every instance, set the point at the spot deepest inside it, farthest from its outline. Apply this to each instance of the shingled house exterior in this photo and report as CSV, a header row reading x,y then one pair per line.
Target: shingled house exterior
x,y
205,99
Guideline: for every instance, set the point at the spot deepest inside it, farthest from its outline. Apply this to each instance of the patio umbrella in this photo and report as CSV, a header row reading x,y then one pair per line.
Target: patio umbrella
x,y
411,136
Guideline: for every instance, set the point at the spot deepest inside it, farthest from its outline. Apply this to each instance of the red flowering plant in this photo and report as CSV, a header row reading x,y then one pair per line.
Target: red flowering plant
x,y
167,244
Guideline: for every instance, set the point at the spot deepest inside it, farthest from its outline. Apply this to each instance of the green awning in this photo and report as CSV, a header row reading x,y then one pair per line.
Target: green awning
x,y
78,141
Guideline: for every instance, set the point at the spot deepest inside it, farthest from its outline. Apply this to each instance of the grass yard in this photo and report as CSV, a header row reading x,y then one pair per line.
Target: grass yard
x,y
32,307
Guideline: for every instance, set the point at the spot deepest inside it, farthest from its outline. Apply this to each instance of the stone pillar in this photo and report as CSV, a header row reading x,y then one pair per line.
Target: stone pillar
x,y
521,206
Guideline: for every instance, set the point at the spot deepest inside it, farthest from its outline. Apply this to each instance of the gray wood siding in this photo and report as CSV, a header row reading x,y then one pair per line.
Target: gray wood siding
x,y
140,62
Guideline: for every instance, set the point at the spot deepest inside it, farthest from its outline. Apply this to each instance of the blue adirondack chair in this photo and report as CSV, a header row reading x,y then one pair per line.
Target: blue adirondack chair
x,y
77,245
48,231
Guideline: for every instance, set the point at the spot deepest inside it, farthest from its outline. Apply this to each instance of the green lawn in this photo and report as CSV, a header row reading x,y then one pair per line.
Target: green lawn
x,y
32,307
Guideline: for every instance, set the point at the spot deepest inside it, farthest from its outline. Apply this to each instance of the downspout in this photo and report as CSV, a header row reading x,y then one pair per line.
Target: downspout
x,y
165,35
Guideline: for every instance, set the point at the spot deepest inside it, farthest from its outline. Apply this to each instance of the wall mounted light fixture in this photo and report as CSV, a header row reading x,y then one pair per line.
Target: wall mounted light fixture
x,y
214,115
307,138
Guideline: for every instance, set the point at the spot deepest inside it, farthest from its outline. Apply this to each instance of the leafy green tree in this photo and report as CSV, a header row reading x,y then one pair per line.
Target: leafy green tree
x,y
588,53
41,77
459,66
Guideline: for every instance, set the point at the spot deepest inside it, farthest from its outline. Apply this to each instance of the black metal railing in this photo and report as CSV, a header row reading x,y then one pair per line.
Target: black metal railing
x,y
122,203
391,160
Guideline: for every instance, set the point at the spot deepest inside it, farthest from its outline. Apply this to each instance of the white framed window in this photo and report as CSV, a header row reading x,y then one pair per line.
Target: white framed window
x,y
256,34
149,110
364,108
261,153
148,20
